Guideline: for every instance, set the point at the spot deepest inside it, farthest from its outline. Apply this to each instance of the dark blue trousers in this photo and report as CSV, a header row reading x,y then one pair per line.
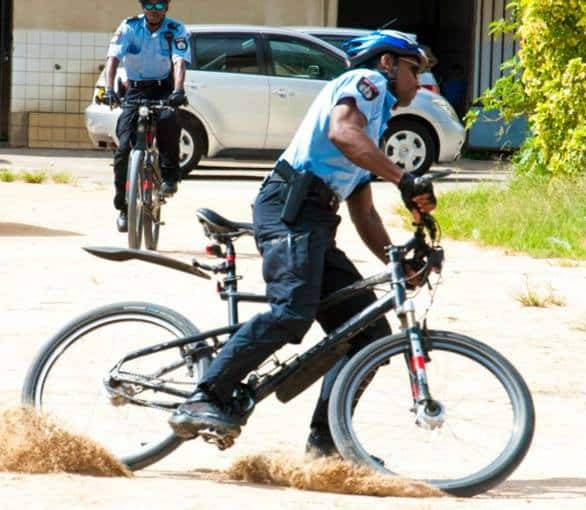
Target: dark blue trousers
x,y
301,266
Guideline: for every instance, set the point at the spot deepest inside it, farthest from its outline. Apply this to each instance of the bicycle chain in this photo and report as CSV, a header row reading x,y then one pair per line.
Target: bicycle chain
x,y
136,400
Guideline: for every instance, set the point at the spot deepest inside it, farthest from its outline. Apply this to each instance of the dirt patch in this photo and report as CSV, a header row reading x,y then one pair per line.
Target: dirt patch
x,y
32,443
325,475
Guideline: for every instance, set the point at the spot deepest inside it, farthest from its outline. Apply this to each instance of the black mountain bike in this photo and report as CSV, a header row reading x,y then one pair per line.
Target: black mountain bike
x,y
426,404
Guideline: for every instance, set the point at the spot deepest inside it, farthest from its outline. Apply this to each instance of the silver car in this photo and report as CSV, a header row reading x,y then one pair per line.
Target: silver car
x,y
250,86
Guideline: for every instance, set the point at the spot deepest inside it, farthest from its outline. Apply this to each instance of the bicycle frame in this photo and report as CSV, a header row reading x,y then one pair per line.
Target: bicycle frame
x,y
293,376
145,138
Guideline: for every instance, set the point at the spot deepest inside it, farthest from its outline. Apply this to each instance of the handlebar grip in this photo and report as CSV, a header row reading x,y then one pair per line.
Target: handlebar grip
x,y
432,176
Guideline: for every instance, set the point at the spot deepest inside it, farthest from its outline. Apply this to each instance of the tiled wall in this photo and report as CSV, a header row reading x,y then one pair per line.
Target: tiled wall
x,y
53,78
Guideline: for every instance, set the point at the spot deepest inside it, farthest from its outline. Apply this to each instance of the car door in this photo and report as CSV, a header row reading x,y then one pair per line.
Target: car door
x,y
227,90
298,70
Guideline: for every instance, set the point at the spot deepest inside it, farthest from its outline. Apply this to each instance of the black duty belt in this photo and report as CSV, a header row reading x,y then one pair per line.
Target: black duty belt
x,y
146,84
317,189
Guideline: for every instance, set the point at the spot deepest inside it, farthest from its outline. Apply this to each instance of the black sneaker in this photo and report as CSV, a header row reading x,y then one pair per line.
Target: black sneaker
x,y
200,412
122,222
169,187
320,443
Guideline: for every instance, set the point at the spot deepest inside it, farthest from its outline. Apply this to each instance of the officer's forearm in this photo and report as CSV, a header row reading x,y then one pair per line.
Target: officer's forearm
x,y
179,74
359,148
373,233
110,73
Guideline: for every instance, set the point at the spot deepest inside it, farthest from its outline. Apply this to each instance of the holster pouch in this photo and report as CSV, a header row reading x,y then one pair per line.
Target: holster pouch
x,y
297,188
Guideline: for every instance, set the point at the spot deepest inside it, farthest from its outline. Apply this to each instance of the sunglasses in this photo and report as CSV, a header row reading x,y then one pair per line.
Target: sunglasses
x,y
158,6
415,69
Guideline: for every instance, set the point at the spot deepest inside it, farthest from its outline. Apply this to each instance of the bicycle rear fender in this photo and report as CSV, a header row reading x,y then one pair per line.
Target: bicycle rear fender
x,y
124,254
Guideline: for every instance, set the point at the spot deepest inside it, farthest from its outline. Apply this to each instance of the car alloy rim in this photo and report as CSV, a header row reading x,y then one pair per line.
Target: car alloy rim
x,y
186,147
406,149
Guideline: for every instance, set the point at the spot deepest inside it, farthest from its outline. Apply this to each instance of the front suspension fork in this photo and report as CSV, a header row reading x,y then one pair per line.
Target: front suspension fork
x,y
429,412
415,357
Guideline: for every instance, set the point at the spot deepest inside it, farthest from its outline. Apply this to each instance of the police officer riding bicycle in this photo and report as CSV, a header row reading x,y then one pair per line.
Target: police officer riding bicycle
x,y
155,50
333,157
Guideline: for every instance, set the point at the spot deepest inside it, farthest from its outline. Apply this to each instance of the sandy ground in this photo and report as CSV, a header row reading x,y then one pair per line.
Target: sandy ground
x,y
47,280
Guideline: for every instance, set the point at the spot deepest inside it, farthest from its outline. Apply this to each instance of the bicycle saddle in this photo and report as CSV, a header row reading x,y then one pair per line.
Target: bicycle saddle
x,y
213,223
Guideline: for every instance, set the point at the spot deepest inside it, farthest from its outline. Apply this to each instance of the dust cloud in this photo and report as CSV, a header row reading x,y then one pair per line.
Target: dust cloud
x,y
325,475
33,443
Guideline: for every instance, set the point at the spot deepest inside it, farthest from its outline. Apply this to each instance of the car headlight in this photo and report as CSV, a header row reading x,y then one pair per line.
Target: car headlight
x,y
440,102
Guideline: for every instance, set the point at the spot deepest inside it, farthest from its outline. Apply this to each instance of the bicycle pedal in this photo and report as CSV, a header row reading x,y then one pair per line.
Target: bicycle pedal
x,y
212,436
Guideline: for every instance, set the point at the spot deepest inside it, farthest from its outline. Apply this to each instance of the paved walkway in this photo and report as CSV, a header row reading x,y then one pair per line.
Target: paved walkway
x,y
96,165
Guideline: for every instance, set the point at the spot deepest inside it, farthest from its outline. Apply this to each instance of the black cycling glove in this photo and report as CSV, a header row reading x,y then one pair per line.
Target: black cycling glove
x,y
111,98
178,98
411,186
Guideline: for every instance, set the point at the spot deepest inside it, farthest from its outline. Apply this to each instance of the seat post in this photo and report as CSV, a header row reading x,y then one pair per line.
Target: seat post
x,y
231,283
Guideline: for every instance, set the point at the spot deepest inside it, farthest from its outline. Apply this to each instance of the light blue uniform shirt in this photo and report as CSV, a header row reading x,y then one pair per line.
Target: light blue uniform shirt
x,y
311,149
146,54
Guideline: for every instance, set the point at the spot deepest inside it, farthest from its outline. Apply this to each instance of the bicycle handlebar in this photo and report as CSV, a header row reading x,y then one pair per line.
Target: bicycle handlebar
x,y
154,104
432,176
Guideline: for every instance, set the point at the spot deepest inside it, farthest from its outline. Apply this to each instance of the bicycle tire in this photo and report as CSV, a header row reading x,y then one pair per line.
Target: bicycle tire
x,y
373,356
135,198
37,375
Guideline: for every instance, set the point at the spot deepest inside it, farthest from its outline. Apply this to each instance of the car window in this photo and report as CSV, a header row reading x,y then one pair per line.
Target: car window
x,y
226,53
335,40
297,59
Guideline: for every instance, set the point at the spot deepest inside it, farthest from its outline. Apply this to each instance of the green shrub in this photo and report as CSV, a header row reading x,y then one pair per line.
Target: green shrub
x,y
546,82
7,175
33,177
62,178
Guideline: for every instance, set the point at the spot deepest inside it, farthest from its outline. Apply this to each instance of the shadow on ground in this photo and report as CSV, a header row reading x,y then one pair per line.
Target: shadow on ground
x,y
24,230
541,488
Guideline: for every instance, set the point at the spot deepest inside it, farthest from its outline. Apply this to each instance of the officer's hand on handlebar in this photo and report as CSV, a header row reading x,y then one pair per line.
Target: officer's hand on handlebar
x,y
417,195
178,98
111,98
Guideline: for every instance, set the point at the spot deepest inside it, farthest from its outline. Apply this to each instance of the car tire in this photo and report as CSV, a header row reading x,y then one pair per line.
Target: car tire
x,y
191,143
410,144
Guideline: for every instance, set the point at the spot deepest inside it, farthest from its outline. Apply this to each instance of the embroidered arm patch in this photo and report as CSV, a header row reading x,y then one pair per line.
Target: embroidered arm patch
x,y
181,44
367,89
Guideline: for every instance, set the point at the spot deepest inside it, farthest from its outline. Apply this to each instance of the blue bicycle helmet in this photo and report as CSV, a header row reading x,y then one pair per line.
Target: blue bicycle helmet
x,y
364,48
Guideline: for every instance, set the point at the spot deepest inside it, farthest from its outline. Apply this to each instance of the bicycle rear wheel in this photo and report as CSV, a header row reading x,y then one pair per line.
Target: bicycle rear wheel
x,y
488,423
135,198
67,378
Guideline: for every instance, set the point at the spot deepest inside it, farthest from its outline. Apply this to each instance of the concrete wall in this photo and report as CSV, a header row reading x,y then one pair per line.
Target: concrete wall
x,y
60,47
104,16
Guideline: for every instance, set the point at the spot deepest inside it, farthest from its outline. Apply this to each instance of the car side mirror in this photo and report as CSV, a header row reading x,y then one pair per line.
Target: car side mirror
x,y
314,71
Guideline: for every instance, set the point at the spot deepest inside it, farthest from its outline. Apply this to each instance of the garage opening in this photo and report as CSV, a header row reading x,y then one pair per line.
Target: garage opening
x,y
5,65
446,26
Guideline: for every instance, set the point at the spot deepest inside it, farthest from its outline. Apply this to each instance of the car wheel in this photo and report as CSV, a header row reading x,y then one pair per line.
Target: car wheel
x,y
191,143
410,145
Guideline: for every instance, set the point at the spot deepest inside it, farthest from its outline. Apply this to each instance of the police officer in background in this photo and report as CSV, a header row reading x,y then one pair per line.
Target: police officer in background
x,y
155,50
335,153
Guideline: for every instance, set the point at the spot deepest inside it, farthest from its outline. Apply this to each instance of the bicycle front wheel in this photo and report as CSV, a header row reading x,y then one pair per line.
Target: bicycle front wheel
x,y
487,426
67,378
135,198
152,212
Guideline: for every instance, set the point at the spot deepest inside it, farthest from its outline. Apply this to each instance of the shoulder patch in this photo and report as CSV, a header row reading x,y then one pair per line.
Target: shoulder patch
x,y
181,43
367,89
